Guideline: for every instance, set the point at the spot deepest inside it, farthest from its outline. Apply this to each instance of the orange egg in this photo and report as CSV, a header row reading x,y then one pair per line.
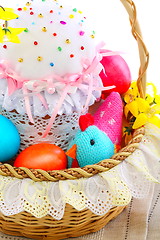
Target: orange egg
x,y
42,156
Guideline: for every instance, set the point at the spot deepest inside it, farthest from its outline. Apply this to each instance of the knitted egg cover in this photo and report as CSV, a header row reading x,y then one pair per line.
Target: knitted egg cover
x,y
99,135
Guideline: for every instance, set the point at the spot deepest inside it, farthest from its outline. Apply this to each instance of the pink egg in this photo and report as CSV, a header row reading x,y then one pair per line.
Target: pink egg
x,y
118,74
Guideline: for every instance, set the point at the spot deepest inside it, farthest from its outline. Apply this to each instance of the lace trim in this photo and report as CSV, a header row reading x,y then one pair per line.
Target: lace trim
x,y
62,131
73,102
99,193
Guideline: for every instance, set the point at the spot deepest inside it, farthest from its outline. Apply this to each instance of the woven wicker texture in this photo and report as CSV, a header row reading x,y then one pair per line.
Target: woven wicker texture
x,y
76,223
143,52
73,224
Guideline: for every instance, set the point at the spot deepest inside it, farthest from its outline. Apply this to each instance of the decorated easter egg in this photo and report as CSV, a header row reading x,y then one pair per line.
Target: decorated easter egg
x,y
116,73
42,156
9,139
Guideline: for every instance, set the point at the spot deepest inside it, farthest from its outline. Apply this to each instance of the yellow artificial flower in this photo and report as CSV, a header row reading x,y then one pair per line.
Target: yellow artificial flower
x,y
151,93
143,110
157,99
7,14
152,96
132,93
10,34
148,116
131,98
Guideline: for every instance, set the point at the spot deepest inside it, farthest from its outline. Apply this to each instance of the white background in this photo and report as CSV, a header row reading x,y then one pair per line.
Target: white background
x,y
111,23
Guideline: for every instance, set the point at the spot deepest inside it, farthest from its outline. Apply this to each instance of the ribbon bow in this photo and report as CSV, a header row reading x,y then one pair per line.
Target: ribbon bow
x,y
14,81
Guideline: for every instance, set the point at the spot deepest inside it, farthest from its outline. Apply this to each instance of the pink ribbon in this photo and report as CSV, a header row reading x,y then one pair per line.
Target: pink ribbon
x,y
14,81
66,84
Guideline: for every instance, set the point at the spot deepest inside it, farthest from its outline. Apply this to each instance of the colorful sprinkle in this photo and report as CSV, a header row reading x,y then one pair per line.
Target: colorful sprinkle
x,y
75,10
92,36
31,13
80,12
19,9
40,15
71,16
26,30
51,21
51,11
20,60
28,4
5,46
63,23
72,56
82,48
54,34
68,41
24,9
59,49
33,23
44,29
81,33
52,64
35,43
40,59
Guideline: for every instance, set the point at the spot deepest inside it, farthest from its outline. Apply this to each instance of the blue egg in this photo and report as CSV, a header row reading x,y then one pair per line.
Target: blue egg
x,y
9,139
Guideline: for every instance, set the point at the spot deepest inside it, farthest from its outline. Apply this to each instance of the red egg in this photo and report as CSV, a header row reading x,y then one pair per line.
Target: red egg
x,y
118,74
42,156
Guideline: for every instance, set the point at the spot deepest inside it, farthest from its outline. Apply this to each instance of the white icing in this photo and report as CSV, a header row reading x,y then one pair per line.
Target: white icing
x,y
47,48
48,44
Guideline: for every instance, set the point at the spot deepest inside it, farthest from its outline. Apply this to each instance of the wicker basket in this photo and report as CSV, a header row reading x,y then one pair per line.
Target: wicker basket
x,y
75,223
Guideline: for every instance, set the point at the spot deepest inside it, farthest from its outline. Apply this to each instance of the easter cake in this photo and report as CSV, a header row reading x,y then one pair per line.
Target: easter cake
x,y
49,70
72,173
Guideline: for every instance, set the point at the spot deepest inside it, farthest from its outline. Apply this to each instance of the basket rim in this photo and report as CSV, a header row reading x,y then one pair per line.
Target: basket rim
x,y
39,175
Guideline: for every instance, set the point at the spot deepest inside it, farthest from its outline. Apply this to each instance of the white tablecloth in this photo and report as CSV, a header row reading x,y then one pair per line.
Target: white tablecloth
x,y
139,221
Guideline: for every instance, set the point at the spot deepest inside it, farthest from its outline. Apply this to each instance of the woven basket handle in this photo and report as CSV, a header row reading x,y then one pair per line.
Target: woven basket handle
x,y
143,53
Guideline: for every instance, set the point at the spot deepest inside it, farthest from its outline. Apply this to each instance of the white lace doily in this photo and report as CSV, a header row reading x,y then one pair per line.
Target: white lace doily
x,y
73,101
61,133
99,193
